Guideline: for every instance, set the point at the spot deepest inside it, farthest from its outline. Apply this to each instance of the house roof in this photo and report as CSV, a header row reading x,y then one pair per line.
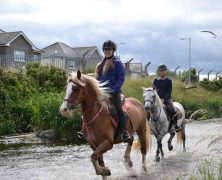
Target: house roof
x,y
1,31
86,52
6,38
62,49
59,49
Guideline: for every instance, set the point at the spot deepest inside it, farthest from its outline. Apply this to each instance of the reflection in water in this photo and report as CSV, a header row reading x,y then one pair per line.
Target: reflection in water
x,y
26,157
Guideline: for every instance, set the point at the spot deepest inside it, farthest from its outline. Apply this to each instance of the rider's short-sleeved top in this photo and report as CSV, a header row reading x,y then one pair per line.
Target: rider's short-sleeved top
x,y
163,88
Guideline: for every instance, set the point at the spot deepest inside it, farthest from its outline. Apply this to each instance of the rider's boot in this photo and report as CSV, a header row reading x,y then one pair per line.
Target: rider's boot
x,y
125,135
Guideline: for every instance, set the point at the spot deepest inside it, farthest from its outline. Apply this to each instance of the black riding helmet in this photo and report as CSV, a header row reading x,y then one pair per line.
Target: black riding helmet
x,y
109,45
162,67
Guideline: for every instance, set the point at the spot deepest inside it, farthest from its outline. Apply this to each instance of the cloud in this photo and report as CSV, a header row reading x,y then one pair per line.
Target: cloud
x,y
149,29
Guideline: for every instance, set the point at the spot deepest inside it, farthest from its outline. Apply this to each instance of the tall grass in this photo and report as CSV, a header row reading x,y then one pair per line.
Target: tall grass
x,y
192,99
207,170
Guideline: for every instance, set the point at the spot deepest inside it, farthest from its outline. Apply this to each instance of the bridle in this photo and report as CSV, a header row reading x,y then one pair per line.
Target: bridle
x,y
148,100
152,106
69,101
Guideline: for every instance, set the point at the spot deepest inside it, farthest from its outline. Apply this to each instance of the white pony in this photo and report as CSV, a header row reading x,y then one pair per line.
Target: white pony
x,y
159,122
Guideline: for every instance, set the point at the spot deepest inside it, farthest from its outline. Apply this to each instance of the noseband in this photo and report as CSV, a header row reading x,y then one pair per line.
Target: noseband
x,y
69,101
148,100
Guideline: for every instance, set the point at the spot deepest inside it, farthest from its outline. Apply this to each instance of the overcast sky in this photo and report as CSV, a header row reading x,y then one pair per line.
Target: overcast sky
x,y
147,30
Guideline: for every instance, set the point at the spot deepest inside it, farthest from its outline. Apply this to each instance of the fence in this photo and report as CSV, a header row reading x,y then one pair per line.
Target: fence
x,y
9,62
133,69
87,65
16,63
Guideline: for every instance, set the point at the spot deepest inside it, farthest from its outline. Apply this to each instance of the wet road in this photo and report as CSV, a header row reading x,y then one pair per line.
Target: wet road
x,y
25,157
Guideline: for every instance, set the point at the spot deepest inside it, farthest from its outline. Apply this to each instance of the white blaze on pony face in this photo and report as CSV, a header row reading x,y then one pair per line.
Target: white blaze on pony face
x,y
64,107
149,98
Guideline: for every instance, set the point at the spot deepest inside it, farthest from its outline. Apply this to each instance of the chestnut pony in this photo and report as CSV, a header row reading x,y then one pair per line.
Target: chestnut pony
x,y
98,127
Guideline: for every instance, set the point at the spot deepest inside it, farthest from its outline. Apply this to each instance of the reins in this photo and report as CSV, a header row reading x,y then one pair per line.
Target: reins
x,y
86,125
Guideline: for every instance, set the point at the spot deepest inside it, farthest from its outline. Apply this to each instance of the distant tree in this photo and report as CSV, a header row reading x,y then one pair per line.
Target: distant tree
x,y
184,75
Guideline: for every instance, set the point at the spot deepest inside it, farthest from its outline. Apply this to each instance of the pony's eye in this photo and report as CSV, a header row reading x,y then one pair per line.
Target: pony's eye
x,y
75,88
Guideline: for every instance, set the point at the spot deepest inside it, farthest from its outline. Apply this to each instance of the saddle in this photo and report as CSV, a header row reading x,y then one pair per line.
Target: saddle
x,y
168,113
113,113
114,117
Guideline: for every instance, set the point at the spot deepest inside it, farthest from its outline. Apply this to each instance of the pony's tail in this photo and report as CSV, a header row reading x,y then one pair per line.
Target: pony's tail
x,y
148,137
147,141
179,137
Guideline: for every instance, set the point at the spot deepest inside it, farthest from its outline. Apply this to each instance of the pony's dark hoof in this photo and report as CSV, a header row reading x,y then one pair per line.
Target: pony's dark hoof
x,y
170,148
103,172
130,164
157,159
106,172
162,155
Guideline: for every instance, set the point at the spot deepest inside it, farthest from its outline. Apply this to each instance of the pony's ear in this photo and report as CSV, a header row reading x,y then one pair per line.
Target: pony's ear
x,y
143,88
78,74
154,87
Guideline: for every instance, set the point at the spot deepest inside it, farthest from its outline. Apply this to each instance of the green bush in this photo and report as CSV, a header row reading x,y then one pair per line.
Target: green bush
x,y
31,101
214,86
46,77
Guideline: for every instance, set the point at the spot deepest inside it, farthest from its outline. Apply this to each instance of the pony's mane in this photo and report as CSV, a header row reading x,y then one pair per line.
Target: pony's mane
x,y
102,93
158,100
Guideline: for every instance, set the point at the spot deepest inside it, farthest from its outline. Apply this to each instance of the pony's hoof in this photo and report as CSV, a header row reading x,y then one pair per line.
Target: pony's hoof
x,y
130,164
162,155
157,159
144,169
184,150
105,172
128,161
132,173
170,147
104,178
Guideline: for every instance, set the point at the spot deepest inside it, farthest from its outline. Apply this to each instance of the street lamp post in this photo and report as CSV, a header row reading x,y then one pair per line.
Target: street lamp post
x,y
189,79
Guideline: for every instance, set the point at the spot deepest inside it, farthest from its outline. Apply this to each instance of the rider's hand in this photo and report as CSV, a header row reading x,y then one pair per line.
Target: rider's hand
x,y
162,100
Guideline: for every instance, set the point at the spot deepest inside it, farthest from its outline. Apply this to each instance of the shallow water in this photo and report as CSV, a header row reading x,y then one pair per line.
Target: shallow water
x,y
26,157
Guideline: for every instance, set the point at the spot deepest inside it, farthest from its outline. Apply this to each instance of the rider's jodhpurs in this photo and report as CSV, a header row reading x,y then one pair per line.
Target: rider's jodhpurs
x,y
116,100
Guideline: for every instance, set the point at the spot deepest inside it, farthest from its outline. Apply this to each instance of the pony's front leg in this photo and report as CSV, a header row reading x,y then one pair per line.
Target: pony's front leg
x,y
102,148
159,149
157,157
102,164
170,147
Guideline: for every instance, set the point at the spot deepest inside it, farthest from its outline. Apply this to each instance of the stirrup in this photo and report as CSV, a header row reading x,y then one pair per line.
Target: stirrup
x,y
80,135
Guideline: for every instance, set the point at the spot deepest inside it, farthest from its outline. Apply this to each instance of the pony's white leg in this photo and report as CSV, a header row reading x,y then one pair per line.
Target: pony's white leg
x,y
144,169
184,139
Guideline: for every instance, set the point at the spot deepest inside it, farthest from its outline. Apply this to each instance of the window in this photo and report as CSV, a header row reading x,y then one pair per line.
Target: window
x,y
71,64
19,56
35,57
